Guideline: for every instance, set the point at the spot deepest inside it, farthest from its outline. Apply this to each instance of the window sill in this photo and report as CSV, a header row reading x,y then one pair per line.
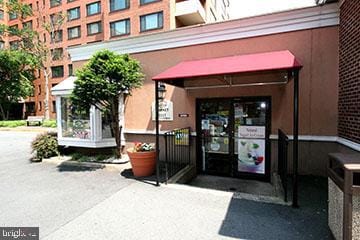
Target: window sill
x,y
152,29
149,3
93,34
55,6
74,38
118,10
74,19
94,14
120,35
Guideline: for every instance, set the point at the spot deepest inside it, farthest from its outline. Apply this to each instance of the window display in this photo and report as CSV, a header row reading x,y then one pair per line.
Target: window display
x,y
74,123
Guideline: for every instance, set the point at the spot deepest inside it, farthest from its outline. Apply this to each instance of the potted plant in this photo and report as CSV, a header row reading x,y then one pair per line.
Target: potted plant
x,y
143,159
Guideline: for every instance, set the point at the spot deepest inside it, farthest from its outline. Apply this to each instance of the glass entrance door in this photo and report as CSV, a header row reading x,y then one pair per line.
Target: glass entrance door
x,y
234,137
251,137
214,136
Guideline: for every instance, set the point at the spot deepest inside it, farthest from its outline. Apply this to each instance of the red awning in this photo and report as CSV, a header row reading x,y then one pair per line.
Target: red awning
x,y
280,60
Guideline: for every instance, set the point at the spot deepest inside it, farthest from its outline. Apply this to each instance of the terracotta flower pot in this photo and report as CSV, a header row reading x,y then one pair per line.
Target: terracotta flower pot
x,y
142,163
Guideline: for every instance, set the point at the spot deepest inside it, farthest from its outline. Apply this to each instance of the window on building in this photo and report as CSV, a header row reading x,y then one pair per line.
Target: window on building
x,y
57,54
56,18
39,89
119,28
93,8
116,5
94,28
39,105
57,36
54,3
28,25
30,107
14,44
70,69
142,2
13,30
151,21
1,14
54,106
12,16
74,32
57,71
73,13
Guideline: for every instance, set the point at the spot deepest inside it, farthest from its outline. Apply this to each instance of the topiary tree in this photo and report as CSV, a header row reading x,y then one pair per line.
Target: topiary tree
x,y
102,81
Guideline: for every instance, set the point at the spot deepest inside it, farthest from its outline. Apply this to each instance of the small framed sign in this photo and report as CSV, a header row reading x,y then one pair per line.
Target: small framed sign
x,y
165,111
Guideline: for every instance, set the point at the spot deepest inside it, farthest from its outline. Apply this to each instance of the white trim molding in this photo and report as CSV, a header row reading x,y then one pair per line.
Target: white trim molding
x,y
87,143
348,143
287,21
148,132
307,138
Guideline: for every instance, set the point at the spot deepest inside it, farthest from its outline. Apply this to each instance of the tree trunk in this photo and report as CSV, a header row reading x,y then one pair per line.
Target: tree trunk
x,y
3,116
116,125
47,95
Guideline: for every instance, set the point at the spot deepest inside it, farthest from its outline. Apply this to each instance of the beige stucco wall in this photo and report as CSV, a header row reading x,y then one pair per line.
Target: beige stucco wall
x,y
316,49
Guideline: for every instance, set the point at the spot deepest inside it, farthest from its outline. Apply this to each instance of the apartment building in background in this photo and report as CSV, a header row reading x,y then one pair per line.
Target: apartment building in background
x,y
89,21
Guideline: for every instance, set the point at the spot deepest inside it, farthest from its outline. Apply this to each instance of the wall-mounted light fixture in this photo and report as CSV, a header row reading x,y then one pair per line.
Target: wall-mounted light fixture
x,y
162,91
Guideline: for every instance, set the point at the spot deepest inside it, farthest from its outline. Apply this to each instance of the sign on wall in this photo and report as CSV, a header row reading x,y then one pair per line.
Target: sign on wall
x,y
166,112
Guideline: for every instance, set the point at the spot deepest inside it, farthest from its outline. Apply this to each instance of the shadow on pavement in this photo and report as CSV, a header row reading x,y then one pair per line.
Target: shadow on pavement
x,y
74,168
254,220
128,173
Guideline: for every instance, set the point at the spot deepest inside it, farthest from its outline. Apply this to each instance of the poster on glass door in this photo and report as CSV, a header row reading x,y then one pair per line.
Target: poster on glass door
x,y
251,149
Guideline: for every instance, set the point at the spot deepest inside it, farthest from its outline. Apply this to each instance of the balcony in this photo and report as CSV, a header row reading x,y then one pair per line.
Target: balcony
x,y
190,12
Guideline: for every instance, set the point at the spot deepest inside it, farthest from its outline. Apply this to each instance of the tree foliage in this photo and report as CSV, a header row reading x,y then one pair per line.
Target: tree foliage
x,y
33,40
102,81
104,77
16,76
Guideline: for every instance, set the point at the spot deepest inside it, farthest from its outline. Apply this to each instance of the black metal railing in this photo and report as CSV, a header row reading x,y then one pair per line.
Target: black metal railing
x,y
177,151
283,142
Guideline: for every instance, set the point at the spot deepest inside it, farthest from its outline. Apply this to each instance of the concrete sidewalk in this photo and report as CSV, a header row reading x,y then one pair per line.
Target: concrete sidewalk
x,y
143,211
35,129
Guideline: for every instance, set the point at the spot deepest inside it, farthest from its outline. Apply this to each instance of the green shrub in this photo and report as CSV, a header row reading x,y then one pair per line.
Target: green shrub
x,y
12,123
101,157
49,123
79,157
76,156
45,145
